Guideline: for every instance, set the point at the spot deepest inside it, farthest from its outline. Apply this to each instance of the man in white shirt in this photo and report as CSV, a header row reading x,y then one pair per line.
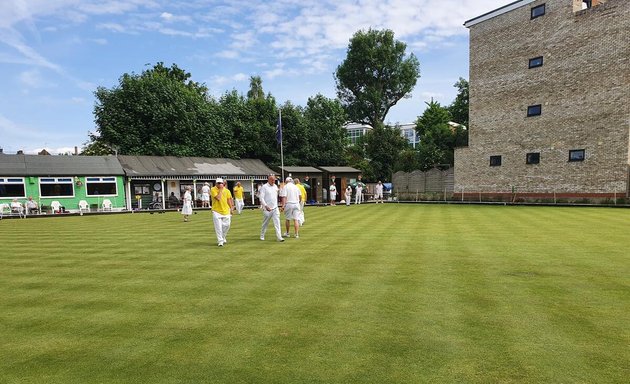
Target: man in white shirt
x,y
358,198
268,196
378,192
291,197
205,195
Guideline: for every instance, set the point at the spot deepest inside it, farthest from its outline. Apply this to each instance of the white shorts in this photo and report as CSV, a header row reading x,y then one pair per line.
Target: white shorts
x,y
292,211
205,197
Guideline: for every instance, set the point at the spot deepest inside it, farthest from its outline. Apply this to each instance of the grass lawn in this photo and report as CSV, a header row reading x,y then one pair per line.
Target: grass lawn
x,y
368,294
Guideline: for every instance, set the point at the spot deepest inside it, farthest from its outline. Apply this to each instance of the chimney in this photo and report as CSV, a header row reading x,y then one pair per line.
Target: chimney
x,y
76,150
20,152
1,151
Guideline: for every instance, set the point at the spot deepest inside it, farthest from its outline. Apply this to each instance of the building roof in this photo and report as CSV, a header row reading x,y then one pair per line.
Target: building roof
x,y
300,169
35,165
340,169
497,12
139,166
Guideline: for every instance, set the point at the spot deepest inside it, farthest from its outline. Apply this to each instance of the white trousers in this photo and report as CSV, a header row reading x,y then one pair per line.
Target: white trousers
x,y
274,216
358,199
301,216
239,205
348,199
221,225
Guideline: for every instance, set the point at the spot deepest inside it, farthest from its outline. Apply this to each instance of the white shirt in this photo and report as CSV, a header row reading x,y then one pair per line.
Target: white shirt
x,y
359,188
292,193
205,189
378,189
268,195
333,189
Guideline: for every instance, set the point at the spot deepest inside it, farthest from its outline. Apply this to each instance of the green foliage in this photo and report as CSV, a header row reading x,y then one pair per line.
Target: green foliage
x,y
160,112
324,119
437,137
459,112
375,75
255,88
384,145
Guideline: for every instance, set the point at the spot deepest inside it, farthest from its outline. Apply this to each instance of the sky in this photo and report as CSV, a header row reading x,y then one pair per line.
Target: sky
x,y
55,53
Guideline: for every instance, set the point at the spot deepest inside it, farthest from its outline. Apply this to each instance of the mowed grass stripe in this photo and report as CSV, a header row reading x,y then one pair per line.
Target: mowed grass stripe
x,y
386,293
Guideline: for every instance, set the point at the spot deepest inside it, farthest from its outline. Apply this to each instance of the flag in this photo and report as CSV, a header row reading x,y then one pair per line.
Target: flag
x,y
279,129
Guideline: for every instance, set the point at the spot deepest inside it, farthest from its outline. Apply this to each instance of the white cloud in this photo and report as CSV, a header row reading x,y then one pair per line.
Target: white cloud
x,y
33,79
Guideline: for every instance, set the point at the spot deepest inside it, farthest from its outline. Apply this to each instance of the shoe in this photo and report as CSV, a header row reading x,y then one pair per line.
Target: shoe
x,y
297,236
224,241
262,238
286,234
281,239
220,244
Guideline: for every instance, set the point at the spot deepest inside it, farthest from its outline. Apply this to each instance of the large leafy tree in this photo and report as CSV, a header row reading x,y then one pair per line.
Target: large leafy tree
x,y
324,119
459,112
375,75
437,137
383,149
160,112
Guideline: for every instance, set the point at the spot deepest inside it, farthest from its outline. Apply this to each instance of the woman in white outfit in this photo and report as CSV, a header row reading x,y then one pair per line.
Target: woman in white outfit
x,y
348,195
187,203
333,194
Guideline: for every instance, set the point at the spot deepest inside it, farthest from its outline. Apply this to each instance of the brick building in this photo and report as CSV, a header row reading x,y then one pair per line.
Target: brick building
x,y
549,100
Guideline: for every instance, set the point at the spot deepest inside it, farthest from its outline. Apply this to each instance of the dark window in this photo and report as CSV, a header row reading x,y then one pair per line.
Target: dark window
x,y
576,155
536,62
100,186
495,161
56,190
534,110
141,189
538,11
12,187
532,158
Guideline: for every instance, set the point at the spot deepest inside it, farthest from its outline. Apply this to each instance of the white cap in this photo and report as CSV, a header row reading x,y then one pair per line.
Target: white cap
x,y
288,180
219,180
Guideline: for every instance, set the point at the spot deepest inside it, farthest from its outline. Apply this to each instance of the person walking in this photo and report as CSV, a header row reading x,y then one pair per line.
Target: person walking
x,y
333,194
359,193
268,197
187,203
238,197
205,195
297,183
222,208
378,192
348,195
291,198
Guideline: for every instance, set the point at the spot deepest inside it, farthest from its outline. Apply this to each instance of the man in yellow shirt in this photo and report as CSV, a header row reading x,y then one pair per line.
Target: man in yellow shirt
x,y
222,207
238,197
303,201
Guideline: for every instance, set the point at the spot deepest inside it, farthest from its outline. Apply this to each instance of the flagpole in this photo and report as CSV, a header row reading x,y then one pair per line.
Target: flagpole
x,y
281,149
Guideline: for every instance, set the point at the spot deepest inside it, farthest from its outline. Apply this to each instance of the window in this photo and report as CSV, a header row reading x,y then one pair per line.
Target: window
x,y
354,134
536,62
534,110
56,187
101,186
495,161
576,155
12,187
141,189
532,158
538,11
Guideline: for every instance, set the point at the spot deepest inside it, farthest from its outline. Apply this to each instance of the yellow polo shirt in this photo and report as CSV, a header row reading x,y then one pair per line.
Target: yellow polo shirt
x,y
221,206
238,192
302,191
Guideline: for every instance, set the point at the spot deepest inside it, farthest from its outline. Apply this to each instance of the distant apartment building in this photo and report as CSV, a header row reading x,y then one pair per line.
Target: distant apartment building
x,y
549,100
408,131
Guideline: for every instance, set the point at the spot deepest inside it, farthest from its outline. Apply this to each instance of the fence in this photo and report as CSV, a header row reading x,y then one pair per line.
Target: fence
x,y
434,184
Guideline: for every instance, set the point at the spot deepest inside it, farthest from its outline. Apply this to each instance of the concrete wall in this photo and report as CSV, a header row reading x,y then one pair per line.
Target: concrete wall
x,y
409,186
582,87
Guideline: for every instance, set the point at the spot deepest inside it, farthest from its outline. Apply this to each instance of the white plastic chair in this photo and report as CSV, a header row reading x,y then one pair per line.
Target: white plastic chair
x,y
84,206
5,209
107,205
56,206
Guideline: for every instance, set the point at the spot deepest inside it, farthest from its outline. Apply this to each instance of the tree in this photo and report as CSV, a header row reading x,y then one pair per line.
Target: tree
x,y
459,112
160,112
255,88
327,138
384,145
437,138
375,75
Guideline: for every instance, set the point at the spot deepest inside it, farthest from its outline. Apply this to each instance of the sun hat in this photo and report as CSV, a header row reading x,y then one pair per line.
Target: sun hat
x,y
219,180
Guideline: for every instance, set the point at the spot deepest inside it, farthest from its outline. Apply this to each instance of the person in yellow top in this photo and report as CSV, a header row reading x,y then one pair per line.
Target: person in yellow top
x,y
238,197
302,201
222,207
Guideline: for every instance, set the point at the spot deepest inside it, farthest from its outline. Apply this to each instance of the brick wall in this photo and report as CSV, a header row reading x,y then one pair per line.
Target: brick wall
x,y
583,87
